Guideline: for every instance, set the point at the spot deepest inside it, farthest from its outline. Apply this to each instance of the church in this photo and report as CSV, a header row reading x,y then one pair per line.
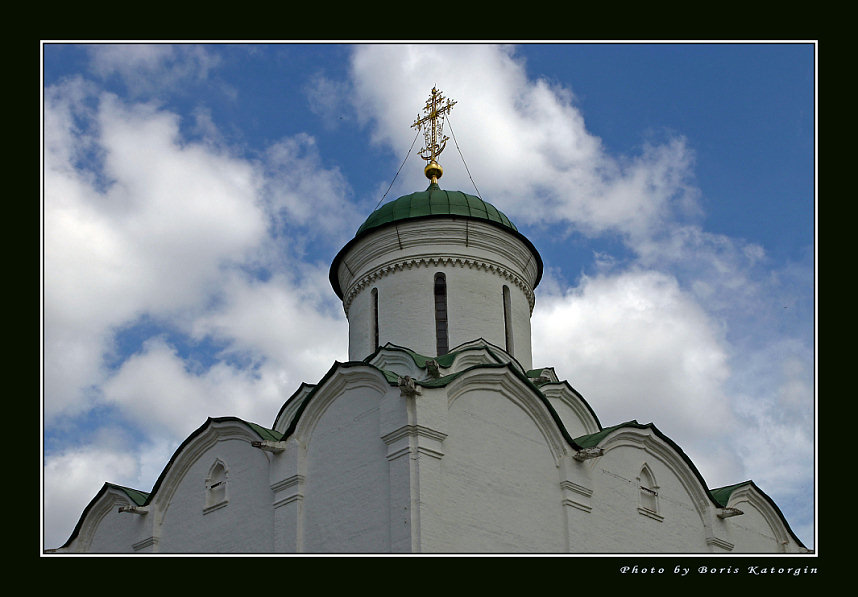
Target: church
x,y
439,434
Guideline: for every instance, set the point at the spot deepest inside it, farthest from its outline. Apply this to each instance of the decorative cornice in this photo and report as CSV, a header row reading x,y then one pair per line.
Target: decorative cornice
x,y
217,506
577,505
580,489
413,431
145,543
410,439
293,481
289,499
415,262
650,513
293,486
720,543
576,496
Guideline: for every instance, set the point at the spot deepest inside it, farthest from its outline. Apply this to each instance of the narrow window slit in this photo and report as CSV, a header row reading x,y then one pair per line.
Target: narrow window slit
x,y
375,318
507,320
442,340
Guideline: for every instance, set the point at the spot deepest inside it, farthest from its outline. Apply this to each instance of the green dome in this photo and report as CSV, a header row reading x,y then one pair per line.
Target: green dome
x,y
434,201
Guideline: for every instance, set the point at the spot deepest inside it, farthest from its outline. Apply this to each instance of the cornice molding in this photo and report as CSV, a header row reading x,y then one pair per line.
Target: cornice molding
x,y
414,439
416,262
719,543
413,431
147,543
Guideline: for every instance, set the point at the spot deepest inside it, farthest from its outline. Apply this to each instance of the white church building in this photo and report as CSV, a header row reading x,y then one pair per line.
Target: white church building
x,y
438,435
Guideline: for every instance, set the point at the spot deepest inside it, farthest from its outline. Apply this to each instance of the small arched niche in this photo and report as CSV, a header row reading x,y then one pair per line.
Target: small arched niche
x,y
216,487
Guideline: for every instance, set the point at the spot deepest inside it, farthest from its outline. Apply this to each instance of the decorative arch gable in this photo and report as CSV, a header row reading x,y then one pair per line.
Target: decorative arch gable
x,y
107,501
196,446
341,378
393,358
290,407
405,361
746,496
710,504
650,440
577,415
158,499
506,383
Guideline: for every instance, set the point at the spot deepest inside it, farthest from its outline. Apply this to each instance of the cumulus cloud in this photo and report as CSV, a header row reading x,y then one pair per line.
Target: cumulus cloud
x,y
274,318
638,347
152,238
524,141
156,390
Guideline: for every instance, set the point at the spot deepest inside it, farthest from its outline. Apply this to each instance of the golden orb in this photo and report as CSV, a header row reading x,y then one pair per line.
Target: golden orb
x,y
433,170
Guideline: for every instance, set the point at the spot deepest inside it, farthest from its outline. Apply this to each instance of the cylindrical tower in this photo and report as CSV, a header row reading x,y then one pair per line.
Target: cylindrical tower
x,y
433,270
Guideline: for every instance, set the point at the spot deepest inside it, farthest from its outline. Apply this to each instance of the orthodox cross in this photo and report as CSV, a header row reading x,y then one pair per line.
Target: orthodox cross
x,y
432,123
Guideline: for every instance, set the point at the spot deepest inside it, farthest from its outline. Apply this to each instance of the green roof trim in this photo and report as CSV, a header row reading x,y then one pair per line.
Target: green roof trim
x,y
420,360
434,201
264,432
593,439
445,360
722,494
136,496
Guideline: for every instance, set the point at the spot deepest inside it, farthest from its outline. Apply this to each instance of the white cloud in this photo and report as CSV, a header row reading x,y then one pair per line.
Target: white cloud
x,y
156,390
773,396
524,141
264,328
273,320
152,68
135,222
638,347
328,99
301,192
71,480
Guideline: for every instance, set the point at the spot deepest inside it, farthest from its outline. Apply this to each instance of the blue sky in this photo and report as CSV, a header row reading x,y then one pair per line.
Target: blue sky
x,y
195,195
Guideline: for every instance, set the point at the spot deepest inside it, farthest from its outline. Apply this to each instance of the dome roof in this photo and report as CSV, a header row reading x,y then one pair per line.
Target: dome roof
x,y
434,201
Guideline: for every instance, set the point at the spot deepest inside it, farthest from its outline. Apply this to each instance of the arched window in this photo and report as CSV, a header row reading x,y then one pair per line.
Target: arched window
x,y
648,505
507,320
442,341
216,485
375,319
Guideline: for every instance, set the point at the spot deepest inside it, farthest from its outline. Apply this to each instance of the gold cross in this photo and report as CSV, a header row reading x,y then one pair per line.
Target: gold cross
x,y
432,124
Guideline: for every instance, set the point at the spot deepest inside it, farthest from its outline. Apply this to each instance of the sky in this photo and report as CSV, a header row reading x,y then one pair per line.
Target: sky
x,y
194,196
